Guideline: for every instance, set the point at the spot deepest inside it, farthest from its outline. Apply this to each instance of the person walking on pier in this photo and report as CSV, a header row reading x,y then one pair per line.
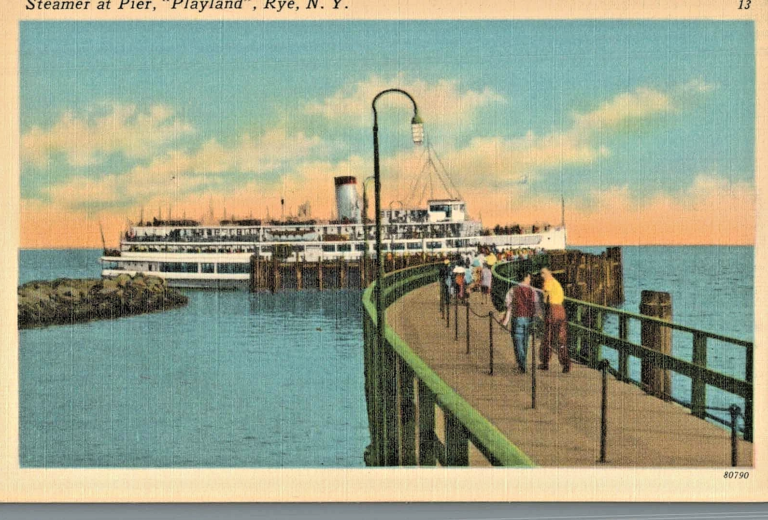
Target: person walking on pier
x,y
445,282
485,285
521,302
468,280
458,280
555,332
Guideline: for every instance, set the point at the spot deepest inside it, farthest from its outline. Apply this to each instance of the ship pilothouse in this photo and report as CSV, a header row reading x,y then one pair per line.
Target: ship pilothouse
x,y
190,254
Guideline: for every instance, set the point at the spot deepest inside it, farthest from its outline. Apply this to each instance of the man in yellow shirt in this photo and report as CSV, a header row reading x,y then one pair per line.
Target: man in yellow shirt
x,y
555,323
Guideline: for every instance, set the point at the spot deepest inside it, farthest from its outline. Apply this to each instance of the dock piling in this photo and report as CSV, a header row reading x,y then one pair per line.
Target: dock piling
x,y
655,336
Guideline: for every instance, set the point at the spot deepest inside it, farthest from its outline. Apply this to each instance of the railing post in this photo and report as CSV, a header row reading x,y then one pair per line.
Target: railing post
x,y
378,390
371,384
456,321
698,387
735,411
456,441
748,409
440,290
391,415
490,342
533,365
448,312
426,426
597,345
407,415
603,367
467,327
579,321
623,356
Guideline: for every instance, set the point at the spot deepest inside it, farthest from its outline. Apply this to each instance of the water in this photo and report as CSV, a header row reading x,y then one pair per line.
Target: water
x,y
712,289
231,380
240,380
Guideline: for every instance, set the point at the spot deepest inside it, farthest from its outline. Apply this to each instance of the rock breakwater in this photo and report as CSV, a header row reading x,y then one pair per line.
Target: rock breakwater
x,y
66,300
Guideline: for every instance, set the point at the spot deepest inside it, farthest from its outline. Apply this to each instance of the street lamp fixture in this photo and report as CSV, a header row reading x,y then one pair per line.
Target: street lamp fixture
x,y
417,129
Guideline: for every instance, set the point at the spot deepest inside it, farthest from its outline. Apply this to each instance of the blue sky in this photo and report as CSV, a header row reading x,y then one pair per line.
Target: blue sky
x,y
661,105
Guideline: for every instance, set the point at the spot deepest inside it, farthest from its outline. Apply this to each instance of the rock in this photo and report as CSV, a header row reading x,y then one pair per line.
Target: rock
x,y
123,280
64,300
107,290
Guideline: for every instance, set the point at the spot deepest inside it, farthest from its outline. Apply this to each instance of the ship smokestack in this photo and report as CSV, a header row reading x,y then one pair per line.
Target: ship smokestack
x,y
347,206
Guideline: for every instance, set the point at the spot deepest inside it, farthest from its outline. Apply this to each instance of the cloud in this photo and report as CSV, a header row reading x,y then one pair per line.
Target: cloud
x,y
710,211
623,108
212,166
697,85
105,129
444,99
246,175
498,162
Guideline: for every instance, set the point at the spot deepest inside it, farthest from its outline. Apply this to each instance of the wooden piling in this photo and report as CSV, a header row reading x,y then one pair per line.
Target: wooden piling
x,y
342,274
299,274
252,282
656,337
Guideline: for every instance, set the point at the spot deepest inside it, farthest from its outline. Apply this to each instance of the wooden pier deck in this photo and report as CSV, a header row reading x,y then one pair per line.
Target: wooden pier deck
x,y
564,429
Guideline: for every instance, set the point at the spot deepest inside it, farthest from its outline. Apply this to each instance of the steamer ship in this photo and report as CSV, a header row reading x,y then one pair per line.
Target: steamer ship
x,y
189,254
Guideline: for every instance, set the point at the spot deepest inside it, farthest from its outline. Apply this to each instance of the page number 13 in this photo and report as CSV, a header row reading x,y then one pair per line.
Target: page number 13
x,y
744,4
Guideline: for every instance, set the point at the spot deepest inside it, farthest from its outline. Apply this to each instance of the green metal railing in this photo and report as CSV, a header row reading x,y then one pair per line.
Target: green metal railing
x,y
403,393
587,338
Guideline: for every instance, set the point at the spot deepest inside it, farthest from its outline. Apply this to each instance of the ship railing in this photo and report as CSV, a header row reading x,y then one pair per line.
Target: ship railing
x,y
402,391
191,240
598,332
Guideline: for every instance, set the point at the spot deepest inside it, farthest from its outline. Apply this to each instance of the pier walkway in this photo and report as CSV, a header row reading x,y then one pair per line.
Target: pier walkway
x,y
565,427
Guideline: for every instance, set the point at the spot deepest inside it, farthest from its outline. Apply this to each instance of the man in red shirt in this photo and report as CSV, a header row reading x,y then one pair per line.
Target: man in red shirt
x,y
521,304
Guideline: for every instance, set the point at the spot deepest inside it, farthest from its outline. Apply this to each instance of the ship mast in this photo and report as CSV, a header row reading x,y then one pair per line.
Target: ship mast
x,y
103,242
433,168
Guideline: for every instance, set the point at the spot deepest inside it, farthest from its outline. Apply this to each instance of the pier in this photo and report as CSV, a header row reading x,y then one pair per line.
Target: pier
x,y
442,388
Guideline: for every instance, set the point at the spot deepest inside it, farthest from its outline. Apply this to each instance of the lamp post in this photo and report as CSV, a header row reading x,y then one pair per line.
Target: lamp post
x,y
417,128
365,229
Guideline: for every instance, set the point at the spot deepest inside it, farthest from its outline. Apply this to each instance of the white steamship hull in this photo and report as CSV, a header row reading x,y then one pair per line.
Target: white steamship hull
x,y
229,266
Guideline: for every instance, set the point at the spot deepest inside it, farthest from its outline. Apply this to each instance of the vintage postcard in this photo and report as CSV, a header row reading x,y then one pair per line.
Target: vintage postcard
x,y
346,250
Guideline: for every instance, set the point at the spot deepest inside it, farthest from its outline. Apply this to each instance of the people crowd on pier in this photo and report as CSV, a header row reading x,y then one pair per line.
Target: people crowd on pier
x,y
466,273
470,272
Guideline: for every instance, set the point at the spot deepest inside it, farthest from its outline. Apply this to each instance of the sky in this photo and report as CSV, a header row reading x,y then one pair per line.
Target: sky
x,y
645,128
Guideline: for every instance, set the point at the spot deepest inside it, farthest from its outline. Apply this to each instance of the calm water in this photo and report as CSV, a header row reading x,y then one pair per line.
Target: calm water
x,y
712,289
231,380
264,380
